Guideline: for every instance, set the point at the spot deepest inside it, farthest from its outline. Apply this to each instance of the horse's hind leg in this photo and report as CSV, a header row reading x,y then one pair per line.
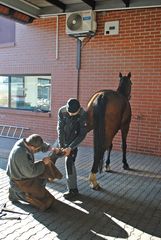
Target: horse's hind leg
x,y
92,177
124,133
107,166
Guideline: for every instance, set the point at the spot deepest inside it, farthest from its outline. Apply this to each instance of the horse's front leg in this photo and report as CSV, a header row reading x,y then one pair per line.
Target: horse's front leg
x,y
107,166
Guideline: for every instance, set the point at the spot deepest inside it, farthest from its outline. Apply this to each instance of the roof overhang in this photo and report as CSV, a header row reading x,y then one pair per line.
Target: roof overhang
x,y
46,8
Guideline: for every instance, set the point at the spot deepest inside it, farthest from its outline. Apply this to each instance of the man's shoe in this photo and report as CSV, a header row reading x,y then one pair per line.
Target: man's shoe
x,y
12,196
13,199
73,193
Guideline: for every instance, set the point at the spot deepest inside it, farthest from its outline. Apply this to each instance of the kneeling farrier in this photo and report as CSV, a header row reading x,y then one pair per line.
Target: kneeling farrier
x,y
27,177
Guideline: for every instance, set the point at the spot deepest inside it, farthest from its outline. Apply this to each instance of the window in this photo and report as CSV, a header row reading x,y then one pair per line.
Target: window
x,y
7,32
26,92
43,93
4,91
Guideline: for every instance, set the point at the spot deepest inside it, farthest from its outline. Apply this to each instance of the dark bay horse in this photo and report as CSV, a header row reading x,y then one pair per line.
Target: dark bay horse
x,y
108,112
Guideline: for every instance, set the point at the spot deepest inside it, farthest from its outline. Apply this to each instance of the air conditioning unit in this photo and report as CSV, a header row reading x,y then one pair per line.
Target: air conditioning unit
x,y
80,24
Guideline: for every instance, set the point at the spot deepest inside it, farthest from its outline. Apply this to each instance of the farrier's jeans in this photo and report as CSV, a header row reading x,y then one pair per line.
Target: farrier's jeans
x,y
70,169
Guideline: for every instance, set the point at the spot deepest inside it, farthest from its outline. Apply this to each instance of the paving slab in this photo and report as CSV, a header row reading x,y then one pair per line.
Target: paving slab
x,y
127,207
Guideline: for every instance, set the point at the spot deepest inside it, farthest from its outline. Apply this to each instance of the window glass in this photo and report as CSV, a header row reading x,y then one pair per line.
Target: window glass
x,y
43,93
27,92
4,84
17,92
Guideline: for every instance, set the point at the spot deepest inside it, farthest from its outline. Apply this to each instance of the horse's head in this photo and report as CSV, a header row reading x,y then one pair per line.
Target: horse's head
x,y
124,87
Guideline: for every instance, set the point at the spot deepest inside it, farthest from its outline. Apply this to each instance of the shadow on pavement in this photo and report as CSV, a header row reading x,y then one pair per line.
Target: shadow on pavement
x,y
70,223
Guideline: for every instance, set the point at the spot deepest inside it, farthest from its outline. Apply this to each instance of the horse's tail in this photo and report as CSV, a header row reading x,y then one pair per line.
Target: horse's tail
x,y
99,130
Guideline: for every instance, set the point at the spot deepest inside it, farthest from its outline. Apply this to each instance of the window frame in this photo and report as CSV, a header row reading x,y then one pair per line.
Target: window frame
x,y
39,76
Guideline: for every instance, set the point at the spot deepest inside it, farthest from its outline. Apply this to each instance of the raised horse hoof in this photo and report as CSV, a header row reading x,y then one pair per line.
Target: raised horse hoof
x,y
126,167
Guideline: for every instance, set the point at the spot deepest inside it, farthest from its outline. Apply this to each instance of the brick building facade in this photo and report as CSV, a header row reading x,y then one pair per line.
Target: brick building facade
x,y
137,48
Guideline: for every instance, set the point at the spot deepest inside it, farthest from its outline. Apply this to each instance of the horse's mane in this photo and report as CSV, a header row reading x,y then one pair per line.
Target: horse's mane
x,y
124,87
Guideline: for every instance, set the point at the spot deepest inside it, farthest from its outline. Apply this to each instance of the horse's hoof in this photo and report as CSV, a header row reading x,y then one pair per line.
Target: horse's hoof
x,y
96,187
126,167
50,179
107,169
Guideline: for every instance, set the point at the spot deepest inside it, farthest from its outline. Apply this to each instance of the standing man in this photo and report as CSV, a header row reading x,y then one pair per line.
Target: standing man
x,y
72,129
25,174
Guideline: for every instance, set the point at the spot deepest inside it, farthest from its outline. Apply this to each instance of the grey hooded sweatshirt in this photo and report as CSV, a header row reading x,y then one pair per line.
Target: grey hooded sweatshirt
x,y
21,163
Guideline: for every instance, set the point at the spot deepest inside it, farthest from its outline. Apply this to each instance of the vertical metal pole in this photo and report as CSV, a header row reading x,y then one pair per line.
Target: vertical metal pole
x,y
9,91
79,43
78,66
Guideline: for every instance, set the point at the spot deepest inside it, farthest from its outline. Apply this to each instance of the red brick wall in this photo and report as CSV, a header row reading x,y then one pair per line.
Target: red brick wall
x,y
137,48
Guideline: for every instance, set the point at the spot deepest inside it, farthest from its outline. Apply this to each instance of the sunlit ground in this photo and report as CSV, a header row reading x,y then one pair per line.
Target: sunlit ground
x,y
127,207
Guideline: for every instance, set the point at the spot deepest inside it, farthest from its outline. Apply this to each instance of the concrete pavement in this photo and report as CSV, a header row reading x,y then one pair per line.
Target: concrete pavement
x,y
127,207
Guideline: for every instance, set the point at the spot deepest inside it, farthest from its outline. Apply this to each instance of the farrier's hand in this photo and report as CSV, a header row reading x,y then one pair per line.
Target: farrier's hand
x,y
56,150
46,160
67,151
